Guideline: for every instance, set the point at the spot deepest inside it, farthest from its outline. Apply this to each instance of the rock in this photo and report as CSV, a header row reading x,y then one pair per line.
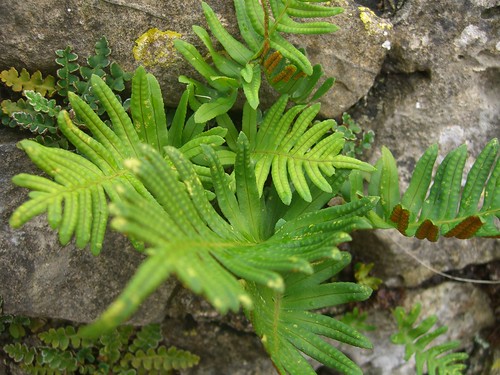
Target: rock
x,y
440,84
464,308
398,259
39,278
31,35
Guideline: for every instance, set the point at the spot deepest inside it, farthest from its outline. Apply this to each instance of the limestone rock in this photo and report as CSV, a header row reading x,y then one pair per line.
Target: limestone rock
x,y
397,257
440,84
39,278
464,308
30,35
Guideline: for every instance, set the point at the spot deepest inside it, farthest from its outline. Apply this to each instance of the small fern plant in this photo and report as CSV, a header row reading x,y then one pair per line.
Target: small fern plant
x,y
237,212
418,340
241,65
124,350
44,97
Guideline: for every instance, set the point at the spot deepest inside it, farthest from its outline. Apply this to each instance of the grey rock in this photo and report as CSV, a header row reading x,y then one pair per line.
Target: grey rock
x,y
30,34
464,308
440,84
39,278
408,262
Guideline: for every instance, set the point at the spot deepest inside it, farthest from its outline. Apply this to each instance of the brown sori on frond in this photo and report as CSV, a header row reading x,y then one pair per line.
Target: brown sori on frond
x,y
466,228
272,61
401,217
285,74
427,230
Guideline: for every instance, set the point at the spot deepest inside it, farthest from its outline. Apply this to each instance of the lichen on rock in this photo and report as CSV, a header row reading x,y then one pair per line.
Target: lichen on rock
x,y
373,24
156,47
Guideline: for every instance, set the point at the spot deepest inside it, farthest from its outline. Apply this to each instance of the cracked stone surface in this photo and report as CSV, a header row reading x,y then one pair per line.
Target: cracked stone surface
x,y
439,82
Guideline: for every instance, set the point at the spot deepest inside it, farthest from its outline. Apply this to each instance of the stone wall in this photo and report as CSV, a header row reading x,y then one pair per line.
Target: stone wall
x,y
435,77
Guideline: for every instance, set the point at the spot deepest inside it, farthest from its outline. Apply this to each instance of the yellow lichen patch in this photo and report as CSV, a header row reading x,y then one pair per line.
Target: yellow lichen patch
x,y
373,24
156,47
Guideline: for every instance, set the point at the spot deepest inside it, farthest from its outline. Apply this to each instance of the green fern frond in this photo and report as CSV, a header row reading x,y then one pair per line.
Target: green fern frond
x,y
25,81
37,114
20,353
187,236
356,320
68,60
159,361
289,145
287,327
81,182
23,114
445,208
240,66
436,359
61,338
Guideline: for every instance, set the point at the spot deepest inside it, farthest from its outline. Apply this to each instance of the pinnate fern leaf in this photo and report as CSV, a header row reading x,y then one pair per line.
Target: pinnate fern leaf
x,y
159,361
81,183
444,208
418,338
68,60
290,145
208,250
287,327
287,68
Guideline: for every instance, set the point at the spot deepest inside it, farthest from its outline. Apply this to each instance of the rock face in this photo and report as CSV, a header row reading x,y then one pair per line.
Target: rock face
x,y
354,54
440,84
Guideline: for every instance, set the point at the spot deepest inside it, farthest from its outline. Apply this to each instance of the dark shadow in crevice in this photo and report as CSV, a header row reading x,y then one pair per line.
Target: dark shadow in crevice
x,y
490,13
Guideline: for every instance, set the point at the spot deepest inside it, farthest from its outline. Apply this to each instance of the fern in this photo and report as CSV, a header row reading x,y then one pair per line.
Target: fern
x,y
68,60
81,184
38,114
188,237
287,327
445,209
437,359
62,351
287,68
356,320
289,145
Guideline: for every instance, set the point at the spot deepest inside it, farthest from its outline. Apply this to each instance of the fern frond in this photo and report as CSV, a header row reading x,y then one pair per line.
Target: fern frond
x,y
287,328
68,60
289,145
159,361
445,208
241,67
205,250
436,359
81,183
